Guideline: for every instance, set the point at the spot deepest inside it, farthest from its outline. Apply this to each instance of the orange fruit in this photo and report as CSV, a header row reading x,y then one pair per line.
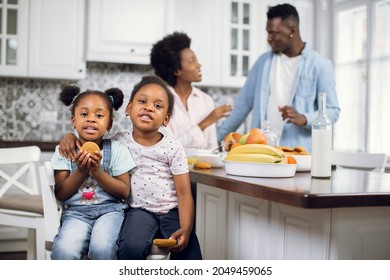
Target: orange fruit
x,y
234,145
291,160
256,137
232,137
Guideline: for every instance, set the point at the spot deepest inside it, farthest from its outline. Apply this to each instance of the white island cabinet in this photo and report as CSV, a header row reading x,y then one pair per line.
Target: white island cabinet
x,y
292,218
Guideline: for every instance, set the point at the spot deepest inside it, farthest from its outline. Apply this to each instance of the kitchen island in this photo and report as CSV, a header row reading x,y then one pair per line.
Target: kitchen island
x,y
344,217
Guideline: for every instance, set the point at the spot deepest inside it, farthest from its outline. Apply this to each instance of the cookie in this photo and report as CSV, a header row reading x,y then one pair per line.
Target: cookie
x,y
90,147
301,150
164,242
202,165
287,149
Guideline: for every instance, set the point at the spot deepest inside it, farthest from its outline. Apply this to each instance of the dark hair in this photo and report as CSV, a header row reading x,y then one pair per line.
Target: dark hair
x,y
147,80
165,56
286,12
70,95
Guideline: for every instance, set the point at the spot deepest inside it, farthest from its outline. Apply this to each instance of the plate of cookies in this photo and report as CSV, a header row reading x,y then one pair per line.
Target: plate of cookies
x,y
301,155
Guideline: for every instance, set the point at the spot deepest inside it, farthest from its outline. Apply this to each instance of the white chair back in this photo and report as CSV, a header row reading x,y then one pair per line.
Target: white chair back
x,y
20,200
364,161
23,158
52,212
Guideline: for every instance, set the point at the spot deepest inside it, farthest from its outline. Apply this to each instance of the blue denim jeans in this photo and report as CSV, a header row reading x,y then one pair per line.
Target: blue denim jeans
x,y
139,229
88,230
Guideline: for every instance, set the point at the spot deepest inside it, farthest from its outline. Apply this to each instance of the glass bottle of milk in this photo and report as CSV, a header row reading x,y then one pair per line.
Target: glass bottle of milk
x,y
321,143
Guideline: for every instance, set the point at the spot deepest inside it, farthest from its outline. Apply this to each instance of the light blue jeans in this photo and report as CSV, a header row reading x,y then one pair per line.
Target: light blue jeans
x,y
88,230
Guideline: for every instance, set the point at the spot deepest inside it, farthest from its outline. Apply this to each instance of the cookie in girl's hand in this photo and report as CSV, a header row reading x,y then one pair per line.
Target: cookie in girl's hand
x,y
164,242
90,147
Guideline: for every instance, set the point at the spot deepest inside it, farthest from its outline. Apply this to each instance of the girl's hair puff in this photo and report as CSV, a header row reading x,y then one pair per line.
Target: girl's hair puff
x,y
71,95
147,80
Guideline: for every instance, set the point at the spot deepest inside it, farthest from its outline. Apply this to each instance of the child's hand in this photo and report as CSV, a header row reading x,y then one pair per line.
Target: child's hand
x,y
67,146
95,165
83,161
182,240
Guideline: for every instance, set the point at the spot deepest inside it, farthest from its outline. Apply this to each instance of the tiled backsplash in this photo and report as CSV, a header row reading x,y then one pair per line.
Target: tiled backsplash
x,y
30,110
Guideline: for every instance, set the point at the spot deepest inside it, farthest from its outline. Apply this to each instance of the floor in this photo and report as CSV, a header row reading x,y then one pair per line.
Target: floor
x,y
13,256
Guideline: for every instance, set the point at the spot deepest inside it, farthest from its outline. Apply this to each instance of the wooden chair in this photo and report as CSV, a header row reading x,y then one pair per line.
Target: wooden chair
x,y
53,214
20,200
363,161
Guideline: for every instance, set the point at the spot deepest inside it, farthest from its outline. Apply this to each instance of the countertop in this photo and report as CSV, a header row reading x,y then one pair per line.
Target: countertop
x,y
345,188
44,146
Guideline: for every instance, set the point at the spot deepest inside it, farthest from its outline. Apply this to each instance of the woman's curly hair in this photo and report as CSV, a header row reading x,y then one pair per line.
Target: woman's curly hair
x,y
165,56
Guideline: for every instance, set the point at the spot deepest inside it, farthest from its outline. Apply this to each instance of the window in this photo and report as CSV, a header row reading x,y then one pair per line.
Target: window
x,y
362,68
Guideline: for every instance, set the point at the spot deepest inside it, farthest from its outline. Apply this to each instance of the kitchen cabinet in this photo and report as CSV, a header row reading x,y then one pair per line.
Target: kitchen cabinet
x,y
56,39
243,213
229,36
240,227
13,38
293,218
49,39
224,33
298,234
211,215
123,31
360,233
225,37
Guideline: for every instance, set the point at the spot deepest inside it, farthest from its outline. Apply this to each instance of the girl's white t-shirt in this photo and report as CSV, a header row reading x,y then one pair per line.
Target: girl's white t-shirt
x,y
152,185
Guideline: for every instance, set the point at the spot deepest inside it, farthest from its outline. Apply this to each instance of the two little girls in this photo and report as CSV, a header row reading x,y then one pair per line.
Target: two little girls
x,y
160,203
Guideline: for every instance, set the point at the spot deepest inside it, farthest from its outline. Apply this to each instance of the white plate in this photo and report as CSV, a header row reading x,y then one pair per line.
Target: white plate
x,y
303,162
216,160
254,169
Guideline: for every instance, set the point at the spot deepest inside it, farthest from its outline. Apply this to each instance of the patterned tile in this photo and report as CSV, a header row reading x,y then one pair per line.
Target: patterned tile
x,y
30,110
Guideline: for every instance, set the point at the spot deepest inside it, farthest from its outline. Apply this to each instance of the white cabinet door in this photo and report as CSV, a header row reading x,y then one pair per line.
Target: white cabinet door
x,y
361,233
57,39
211,223
224,37
202,21
298,233
14,38
247,228
124,31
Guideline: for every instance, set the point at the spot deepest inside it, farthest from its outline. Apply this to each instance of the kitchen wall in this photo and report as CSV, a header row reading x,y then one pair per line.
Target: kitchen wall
x,y
30,110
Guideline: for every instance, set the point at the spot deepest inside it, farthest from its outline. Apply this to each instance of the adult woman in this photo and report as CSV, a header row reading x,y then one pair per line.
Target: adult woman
x,y
194,117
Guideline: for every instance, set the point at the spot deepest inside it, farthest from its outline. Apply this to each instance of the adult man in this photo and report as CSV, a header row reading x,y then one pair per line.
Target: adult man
x,y
283,84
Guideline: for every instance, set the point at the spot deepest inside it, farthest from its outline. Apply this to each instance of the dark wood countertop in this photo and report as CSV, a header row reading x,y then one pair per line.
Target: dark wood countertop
x,y
44,146
346,188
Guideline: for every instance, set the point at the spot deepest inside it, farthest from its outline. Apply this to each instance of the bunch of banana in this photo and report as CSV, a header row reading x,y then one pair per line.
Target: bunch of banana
x,y
261,153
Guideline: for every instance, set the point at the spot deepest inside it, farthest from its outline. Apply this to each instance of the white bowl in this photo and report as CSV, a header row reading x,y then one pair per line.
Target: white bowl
x,y
191,152
303,162
216,160
254,169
